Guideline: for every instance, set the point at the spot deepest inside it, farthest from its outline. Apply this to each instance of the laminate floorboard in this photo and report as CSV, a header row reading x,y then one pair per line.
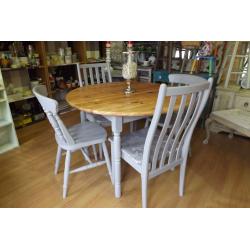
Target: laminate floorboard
x,y
218,175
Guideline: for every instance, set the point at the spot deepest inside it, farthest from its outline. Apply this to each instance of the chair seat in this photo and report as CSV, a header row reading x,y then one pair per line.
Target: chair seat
x,y
84,134
98,119
132,144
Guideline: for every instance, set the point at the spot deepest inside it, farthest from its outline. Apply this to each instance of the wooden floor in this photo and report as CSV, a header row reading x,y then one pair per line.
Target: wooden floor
x,y
218,175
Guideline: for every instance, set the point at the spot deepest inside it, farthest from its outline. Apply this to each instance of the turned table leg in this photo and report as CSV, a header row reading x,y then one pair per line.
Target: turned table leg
x,y
117,129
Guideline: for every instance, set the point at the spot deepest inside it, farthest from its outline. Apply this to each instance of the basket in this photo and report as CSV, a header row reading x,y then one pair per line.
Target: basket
x,y
190,44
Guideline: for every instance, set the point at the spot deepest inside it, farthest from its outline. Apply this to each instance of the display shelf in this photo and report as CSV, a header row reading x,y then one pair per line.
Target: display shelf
x,y
62,65
20,68
4,123
16,98
20,77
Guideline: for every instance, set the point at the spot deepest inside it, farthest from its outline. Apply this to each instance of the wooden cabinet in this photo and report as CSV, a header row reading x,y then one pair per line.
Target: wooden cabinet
x,y
231,97
223,99
242,102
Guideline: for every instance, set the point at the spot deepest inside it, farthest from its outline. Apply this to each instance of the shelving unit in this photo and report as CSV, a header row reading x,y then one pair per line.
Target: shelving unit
x,y
8,138
20,77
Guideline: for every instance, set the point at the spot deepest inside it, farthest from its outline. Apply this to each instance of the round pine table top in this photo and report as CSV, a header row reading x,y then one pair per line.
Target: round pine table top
x,y
108,99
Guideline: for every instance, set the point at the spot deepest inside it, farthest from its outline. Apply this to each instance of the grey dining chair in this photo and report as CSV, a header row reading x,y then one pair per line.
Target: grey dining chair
x,y
90,74
153,150
77,137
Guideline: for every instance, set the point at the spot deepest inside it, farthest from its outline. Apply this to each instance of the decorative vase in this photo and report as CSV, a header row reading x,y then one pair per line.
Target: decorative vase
x,y
129,69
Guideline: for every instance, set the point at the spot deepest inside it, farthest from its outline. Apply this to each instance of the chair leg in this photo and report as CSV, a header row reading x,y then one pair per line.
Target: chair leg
x,y
106,155
94,151
207,125
182,177
144,189
190,152
82,116
135,126
86,155
131,126
100,151
147,123
66,173
58,159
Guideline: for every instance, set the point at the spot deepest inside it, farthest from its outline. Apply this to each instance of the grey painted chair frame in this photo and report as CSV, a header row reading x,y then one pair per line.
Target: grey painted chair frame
x,y
170,148
77,137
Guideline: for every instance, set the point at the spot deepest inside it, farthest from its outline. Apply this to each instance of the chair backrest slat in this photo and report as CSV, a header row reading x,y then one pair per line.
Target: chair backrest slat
x,y
191,112
167,147
50,107
103,75
163,131
85,75
91,76
193,118
184,125
95,73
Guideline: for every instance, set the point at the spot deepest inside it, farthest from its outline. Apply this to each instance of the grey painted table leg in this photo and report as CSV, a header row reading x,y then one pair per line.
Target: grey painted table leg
x,y
117,129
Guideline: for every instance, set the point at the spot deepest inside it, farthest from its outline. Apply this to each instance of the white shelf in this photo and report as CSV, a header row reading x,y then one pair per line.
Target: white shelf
x,y
8,138
4,123
20,68
6,147
16,98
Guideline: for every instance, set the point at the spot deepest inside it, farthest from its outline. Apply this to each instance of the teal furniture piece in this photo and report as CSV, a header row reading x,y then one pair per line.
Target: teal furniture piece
x,y
160,76
212,63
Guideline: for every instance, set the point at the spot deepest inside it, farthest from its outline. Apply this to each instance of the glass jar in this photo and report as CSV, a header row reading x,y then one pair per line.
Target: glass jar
x,y
68,51
129,69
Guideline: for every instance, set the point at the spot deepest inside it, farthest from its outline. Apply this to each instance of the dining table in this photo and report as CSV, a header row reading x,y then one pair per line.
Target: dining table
x,y
109,100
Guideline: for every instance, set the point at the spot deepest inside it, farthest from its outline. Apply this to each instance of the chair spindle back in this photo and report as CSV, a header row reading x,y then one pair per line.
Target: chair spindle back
x,y
94,73
50,107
